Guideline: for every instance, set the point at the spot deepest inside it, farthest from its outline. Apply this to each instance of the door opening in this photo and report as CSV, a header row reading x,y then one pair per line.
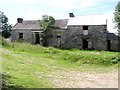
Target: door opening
x,y
108,45
58,40
85,44
37,38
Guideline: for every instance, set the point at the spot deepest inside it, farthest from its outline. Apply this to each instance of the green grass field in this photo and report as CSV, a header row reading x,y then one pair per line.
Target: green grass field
x,y
30,66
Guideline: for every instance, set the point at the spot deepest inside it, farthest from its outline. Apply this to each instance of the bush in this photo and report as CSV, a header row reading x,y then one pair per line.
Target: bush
x,y
87,58
3,42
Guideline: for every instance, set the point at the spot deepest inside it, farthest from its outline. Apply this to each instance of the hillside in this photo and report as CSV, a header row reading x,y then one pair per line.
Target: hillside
x,y
33,66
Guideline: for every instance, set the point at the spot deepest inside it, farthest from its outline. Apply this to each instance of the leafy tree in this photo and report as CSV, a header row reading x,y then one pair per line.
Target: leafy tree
x,y
117,15
5,25
47,24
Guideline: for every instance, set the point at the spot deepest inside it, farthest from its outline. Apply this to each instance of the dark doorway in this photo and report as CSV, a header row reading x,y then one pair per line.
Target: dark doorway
x,y
37,38
58,40
20,35
85,44
108,45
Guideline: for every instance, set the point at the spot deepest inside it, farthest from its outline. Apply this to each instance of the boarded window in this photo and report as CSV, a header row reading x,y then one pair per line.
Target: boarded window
x,y
20,35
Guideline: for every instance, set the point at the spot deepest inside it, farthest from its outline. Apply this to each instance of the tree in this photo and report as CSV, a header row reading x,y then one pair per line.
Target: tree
x,y
5,25
117,15
47,24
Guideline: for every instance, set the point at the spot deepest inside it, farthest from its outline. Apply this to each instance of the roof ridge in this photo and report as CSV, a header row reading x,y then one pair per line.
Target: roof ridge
x,y
41,20
31,20
35,24
61,19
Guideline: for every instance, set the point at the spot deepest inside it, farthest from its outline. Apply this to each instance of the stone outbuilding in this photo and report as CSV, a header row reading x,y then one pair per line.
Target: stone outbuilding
x,y
84,32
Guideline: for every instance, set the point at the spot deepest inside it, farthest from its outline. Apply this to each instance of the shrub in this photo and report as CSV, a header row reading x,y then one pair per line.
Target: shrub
x,y
3,42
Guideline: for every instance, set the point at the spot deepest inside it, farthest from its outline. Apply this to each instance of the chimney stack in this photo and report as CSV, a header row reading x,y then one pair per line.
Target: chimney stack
x,y
71,15
19,20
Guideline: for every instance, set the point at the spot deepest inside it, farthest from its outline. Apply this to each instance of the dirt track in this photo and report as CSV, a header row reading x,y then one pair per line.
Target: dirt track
x,y
75,79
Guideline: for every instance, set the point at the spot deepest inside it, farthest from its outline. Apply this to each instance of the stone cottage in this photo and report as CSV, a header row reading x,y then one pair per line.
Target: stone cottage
x,y
84,32
30,31
89,32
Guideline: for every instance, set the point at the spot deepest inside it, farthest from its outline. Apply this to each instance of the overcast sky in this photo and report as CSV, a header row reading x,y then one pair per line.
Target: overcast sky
x,y
34,9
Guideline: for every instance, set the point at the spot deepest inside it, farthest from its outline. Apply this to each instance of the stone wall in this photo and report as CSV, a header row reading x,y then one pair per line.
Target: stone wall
x,y
53,37
27,35
99,37
114,41
73,36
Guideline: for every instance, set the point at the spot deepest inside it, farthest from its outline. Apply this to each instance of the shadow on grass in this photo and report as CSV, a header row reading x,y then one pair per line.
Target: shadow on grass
x,y
8,85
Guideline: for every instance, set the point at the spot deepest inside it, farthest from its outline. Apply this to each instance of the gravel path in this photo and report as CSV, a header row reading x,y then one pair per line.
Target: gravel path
x,y
76,79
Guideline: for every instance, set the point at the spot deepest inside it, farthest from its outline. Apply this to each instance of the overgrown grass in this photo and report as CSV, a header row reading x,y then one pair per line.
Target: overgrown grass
x,y
71,56
29,66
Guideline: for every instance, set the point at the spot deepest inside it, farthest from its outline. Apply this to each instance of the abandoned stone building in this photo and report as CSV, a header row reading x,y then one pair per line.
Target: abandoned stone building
x,y
84,32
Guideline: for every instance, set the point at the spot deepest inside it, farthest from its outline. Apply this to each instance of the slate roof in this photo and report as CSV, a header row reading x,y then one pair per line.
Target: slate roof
x,y
62,23
87,20
35,24
27,24
111,36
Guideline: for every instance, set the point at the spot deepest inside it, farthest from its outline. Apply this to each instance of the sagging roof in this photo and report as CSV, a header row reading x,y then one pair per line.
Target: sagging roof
x,y
35,24
87,20
28,24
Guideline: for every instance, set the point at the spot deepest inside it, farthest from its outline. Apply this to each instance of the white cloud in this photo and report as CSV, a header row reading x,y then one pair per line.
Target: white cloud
x,y
20,1
70,4
107,0
87,4
55,4
31,14
34,9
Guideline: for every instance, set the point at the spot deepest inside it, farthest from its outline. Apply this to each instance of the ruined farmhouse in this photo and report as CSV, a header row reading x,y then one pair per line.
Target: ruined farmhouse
x,y
84,32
